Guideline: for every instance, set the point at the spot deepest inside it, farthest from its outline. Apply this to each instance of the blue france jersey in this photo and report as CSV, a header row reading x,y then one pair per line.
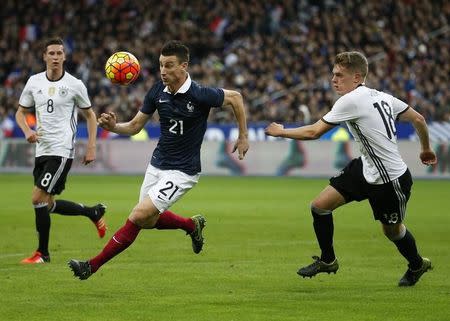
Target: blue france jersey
x,y
183,119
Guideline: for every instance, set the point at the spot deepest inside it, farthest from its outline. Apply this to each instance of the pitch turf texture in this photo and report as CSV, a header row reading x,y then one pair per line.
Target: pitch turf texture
x,y
258,234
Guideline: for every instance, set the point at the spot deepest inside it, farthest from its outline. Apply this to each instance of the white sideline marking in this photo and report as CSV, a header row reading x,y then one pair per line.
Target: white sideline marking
x,y
5,256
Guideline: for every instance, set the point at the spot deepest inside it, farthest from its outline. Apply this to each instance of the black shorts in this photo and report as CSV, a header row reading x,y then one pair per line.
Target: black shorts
x,y
50,173
388,201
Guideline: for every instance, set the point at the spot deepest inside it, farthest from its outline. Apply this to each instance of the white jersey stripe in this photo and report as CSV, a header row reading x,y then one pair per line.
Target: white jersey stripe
x,y
376,160
57,174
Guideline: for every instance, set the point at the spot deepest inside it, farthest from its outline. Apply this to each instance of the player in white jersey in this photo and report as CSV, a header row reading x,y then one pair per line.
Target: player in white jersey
x,y
55,96
379,174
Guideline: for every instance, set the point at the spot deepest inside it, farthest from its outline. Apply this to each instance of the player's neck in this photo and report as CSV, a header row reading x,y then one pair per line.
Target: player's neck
x,y
175,87
54,74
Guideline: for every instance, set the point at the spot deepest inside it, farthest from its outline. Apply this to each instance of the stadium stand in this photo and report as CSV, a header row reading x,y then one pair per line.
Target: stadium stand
x,y
278,53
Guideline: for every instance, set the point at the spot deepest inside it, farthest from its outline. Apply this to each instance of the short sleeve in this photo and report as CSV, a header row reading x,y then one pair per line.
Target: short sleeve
x,y
26,98
211,97
81,96
149,105
343,110
398,106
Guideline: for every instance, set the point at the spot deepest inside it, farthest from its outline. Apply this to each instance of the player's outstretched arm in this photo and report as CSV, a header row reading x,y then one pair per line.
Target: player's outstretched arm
x,y
108,121
30,135
91,121
427,155
308,132
234,99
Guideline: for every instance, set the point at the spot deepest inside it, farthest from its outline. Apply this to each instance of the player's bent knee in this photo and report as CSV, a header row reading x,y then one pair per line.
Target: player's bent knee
x,y
36,201
144,214
39,198
319,211
394,232
143,219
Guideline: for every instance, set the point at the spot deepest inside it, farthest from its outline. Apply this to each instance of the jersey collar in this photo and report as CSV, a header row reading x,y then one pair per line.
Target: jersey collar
x,y
64,72
183,89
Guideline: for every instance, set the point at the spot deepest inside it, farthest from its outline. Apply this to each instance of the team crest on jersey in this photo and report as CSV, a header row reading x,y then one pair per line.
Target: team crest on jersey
x,y
190,107
51,91
63,91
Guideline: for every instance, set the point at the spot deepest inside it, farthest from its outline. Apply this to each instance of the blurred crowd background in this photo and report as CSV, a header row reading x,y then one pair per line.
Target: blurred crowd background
x,y
278,54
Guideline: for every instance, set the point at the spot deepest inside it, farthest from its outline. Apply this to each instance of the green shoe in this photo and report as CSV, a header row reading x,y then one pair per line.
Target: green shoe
x,y
196,235
318,266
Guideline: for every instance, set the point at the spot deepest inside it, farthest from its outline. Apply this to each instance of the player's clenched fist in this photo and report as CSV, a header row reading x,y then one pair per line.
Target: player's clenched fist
x,y
107,120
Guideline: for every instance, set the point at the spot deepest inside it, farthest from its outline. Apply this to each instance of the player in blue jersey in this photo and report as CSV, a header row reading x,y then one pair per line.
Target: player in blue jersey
x,y
183,107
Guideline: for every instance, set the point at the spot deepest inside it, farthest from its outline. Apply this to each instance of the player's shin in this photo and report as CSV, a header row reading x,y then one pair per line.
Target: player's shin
x,y
168,221
42,226
64,207
324,229
406,245
122,239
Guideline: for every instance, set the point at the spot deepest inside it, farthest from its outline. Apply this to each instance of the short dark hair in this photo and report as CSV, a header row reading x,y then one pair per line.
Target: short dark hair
x,y
176,48
353,61
53,41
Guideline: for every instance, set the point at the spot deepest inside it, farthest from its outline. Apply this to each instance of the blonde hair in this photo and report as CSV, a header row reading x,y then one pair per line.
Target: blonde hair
x,y
354,61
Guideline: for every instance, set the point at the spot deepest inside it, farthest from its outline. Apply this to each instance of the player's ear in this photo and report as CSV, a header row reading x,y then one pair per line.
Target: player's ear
x,y
357,78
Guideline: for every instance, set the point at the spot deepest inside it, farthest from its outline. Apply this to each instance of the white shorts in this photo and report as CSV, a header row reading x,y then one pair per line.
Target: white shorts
x,y
165,187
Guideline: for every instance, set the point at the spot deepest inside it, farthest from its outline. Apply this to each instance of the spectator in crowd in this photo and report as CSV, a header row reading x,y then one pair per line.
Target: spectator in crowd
x,y
273,52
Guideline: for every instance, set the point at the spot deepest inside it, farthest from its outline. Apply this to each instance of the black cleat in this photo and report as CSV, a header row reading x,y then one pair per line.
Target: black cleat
x,y
100,210
196,235
81,269
411,277
99,220
318,266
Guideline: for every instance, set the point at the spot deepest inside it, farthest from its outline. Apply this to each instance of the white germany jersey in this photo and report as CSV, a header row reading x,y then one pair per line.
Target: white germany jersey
x,y
56,115
370,116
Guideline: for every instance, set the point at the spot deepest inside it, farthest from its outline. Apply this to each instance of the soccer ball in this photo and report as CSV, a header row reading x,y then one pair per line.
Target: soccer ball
x,y
122,68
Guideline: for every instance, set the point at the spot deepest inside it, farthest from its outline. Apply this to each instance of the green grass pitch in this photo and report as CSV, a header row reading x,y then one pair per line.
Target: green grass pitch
x,y
258,234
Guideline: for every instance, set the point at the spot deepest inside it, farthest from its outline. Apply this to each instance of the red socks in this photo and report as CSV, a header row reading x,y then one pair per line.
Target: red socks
x,y
128,233
170,221
119,242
